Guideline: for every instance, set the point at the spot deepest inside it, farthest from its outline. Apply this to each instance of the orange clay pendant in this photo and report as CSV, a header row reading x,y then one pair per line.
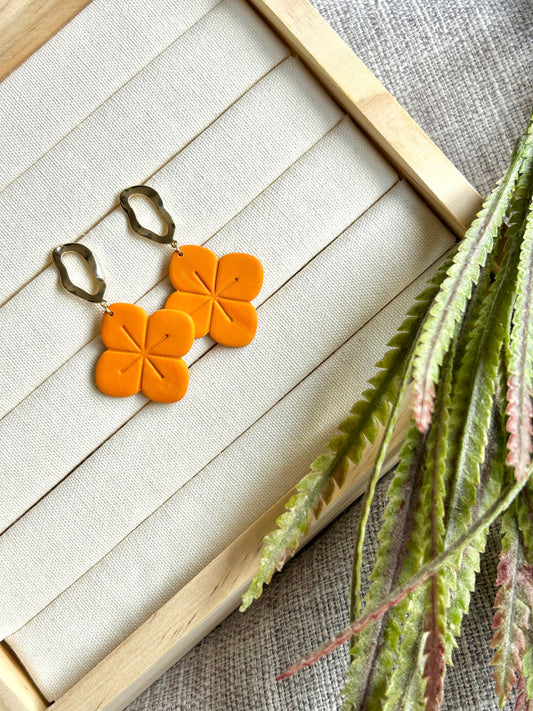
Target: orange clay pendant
x,y
216,293
144,353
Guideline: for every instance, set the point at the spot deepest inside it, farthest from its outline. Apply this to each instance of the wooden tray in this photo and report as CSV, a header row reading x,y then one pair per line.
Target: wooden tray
x,y
207,599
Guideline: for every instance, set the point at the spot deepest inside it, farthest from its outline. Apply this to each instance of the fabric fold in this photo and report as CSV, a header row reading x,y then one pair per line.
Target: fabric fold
x,y
285,226
64,93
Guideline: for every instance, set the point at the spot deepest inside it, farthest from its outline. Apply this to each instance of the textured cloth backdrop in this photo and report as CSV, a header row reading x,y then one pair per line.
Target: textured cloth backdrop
x,y
463,70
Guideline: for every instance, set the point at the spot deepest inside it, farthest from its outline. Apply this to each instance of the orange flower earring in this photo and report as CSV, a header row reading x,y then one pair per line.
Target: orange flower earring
x,y
144,353
216,293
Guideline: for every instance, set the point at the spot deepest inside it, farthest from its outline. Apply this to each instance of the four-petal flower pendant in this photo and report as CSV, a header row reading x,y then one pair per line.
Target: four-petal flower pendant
x,y
145,353
217,293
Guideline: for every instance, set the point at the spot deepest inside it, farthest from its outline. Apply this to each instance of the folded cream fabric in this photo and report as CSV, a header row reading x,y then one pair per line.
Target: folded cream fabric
x,y
46,97
204,186
161,448
67,407
131,135
167,549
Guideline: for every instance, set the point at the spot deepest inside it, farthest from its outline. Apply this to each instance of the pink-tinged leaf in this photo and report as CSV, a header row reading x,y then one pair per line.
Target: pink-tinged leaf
x,y
522,702
400,554
520,412
490,484
513,608
449,306
362,427
396,402
520,360
423,406
438,472
435,666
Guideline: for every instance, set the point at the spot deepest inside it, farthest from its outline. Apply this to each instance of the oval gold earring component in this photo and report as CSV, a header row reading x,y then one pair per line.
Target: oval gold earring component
x,y
143,353
215,292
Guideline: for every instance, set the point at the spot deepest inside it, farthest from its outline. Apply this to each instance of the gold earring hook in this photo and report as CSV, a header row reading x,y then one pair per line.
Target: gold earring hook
x,y
157,202
97,297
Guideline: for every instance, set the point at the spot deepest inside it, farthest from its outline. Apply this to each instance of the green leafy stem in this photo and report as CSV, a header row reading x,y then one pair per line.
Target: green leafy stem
x,y
466,345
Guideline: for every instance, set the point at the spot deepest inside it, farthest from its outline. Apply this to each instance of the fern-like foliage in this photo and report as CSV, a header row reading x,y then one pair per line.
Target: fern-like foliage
x,y
492,470
513,604
451,301
328,471
466,461
473,437
417,487
419,667
457,444
496,329
373,652
520,366
506,498
372,678
387,436
423,630
419,620
436,479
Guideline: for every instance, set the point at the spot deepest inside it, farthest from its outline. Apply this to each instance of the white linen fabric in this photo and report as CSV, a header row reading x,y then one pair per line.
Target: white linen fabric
x,y
157,558
63,93
63,407
208,182
131,135
84,516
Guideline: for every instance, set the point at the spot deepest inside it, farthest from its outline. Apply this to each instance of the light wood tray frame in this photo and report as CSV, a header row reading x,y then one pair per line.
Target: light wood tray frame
x,y
215,592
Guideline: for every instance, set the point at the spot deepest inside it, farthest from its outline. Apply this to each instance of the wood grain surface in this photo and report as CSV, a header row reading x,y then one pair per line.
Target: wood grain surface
x,y
17,690
25,25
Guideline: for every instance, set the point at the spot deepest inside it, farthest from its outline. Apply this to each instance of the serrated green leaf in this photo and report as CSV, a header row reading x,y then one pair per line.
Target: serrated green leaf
x,y
492,470
520,364
452,482
407,686
450,303
433,496
473,395
423,631
488,491
425,298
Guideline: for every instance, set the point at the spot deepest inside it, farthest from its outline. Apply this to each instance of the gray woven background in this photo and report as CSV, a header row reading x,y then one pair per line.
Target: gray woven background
x,y
463,70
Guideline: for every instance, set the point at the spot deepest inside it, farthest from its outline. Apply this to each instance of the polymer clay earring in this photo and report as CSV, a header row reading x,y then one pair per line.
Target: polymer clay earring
x,y
144,353
215,292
